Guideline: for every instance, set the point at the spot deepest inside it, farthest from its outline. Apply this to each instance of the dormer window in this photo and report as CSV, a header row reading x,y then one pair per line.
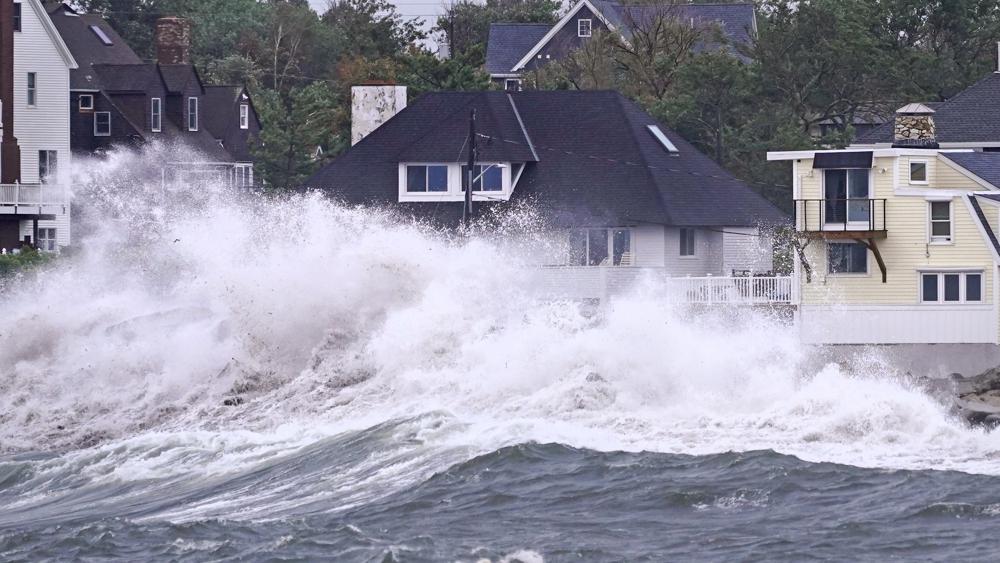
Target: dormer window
x,y
485,178
192,114
584,28
244,116
427,178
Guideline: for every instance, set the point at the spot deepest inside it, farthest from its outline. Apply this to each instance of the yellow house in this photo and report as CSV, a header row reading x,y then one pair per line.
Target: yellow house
x,y
897,245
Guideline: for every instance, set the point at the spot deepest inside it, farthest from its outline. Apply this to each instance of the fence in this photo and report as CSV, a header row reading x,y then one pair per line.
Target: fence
x,y
32,194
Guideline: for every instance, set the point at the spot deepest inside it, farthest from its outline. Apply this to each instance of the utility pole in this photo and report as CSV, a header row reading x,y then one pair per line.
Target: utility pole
x,y
470,173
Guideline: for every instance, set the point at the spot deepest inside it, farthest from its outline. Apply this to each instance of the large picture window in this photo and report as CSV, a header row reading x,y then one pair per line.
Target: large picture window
x,y
846,258
951,287
427,178
600,247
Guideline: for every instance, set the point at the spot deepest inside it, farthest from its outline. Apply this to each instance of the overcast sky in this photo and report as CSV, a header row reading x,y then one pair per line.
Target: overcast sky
x,y
427,10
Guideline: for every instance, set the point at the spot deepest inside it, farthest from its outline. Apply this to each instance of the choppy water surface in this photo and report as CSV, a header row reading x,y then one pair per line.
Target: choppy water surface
x,y
269,379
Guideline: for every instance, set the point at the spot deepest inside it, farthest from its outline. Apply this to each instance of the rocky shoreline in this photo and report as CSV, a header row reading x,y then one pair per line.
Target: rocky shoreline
x,y
976,399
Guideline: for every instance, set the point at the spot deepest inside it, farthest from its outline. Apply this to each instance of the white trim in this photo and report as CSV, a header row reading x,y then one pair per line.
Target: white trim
x,y
965,172
826,262
929,193
50,29
153,125
197,113
590,27
244,116
558,27
876,153
81,107
454,191
962,274
927,171
506,75
940,241
982,230
517,114
96,134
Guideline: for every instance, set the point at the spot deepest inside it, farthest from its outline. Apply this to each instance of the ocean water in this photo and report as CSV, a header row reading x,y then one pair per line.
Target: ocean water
x,y
220,378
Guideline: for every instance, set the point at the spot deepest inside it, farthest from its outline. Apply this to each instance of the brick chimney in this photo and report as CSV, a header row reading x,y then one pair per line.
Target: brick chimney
x,y
173,41
10,152
914,127
373,104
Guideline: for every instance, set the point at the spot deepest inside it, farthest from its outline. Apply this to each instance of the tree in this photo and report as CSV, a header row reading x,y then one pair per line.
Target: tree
x,y
369,28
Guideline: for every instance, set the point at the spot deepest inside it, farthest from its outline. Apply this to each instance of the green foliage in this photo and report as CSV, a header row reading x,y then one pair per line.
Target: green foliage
x,y
27,260
466,24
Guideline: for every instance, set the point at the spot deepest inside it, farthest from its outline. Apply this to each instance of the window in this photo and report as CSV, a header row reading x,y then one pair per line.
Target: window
x,y
86,102
486,178
600,247
940,219
846,258
512,84
583,28
48,166
918,172
244,116
156,115
846,195
101,35
32,88
17,16
427,178
102,124
687,242
47,239
951,287
192,114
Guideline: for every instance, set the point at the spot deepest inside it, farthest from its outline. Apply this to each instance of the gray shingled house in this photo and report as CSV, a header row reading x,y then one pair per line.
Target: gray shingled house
x,y
515,48
618,187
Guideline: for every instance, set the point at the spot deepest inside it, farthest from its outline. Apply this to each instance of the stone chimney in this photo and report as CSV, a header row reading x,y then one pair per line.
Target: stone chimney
x,y
372,105
173,41
10,152
914,127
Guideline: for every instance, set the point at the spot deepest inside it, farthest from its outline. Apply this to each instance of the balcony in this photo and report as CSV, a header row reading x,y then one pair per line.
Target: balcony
x,y
33,200
852,218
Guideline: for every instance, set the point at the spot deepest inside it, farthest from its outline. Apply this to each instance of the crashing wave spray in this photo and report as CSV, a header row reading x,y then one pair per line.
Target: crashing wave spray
x,y
200,332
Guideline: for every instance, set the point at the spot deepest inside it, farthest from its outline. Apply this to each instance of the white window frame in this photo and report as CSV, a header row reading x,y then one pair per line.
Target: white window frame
x,y
868,262
827,226
454,191
244,116
48,158
47,239
940,240
89,107
609,233
962,285
506,84
579,27
192,116
693,240
156,115
96,115
927,171
31,90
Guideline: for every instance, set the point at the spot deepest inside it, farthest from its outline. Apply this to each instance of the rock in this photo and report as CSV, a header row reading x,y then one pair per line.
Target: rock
x,y
976,399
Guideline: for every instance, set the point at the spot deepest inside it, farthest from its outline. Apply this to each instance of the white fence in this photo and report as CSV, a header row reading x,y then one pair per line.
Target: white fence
x,y
32,194
603,282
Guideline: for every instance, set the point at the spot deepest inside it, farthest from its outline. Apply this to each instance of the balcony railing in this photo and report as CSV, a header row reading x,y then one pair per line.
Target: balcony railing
x,y
582,282
34,195
844,215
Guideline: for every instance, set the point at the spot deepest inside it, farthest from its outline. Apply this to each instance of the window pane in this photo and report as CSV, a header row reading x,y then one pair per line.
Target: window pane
x,y
941,210
918,171
492,180
951,287
622,246
858,184
598,243
416,178
847,258
940,229
578,248
437,178
929,282
973,287
687,242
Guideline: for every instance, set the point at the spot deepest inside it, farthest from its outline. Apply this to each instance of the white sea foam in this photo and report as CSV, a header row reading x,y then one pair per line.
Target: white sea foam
x,y
329,320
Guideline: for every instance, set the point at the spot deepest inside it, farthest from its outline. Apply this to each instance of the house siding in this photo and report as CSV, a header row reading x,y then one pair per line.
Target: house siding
x,y
46,126
707,259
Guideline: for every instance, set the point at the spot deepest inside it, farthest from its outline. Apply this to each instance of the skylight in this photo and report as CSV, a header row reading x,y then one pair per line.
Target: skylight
x,y
101,35
655,130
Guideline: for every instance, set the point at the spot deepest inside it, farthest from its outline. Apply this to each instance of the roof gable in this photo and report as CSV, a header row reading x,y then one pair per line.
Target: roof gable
x,y
509,42
87,48
43,16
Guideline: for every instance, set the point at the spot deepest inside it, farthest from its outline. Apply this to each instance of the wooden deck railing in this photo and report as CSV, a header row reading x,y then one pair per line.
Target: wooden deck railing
x,y
32,194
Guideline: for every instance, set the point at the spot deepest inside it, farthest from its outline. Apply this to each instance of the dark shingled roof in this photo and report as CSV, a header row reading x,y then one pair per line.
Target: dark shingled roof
x,y
87,48
983,221
509,42
127,78
597,162
986,165
221,119
971,116
177,77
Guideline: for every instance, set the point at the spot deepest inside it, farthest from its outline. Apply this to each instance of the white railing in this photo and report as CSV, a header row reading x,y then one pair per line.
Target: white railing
x,y
603,282
32,194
